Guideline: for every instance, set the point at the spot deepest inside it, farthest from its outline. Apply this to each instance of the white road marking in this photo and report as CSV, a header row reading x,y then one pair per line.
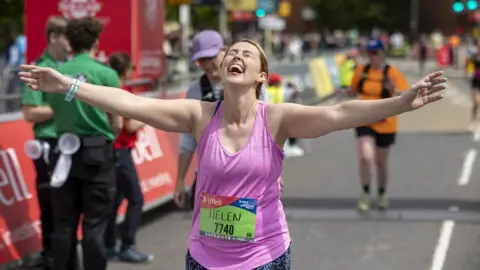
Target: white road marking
x,y
476,136
467,167
442,245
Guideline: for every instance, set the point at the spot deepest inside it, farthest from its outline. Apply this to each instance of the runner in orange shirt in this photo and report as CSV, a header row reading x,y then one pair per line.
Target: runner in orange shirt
x,y
376,80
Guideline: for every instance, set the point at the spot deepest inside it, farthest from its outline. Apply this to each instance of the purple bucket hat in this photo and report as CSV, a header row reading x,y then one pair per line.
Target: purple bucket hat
x,y
206,44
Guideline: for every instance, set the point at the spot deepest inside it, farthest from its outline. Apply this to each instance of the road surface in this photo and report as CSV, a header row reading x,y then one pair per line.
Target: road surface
x,y
435,207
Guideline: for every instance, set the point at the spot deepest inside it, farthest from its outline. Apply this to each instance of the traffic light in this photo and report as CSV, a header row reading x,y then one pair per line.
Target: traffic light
x,y
472,4
260,13
458,6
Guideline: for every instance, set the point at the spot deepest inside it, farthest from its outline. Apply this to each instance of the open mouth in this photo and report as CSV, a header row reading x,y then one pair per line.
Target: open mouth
x,y
236,68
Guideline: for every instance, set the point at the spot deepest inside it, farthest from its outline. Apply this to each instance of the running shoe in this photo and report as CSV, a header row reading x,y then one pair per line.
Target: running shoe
x,y
364,202
296,151
112,254
132,255
382,202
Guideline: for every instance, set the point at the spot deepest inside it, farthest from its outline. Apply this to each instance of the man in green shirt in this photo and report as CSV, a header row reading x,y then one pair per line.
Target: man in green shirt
x,y
36,110
90,186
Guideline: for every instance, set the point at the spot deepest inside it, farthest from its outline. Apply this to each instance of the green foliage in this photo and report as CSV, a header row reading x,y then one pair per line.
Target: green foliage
x,y
11,10
364,14
202,17
11,19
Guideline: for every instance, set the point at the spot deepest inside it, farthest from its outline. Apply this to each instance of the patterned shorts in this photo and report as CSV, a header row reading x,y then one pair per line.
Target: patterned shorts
x,y
281,263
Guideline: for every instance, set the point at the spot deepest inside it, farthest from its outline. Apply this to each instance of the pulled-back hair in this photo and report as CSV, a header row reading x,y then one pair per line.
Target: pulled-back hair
x,y
263,62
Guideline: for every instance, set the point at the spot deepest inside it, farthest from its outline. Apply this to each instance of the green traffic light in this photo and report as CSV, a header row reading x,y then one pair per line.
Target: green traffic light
x,y
472,4
260,13
458,7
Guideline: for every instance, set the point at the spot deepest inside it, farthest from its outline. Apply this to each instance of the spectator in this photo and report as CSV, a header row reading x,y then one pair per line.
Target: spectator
x,y
128,185
207,53
89,188
36,110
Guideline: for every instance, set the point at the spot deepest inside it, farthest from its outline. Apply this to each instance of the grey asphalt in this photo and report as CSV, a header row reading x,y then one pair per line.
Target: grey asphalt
x,y
322,188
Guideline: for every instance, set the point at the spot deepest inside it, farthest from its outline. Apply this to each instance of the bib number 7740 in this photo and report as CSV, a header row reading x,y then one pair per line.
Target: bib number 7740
x,y
228,218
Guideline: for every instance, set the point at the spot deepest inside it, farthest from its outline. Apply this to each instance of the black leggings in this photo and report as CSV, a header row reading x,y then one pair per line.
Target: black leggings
x,y
283,262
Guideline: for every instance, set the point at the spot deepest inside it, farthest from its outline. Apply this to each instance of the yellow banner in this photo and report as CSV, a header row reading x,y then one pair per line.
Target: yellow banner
x,y
241,5
285,9
321,77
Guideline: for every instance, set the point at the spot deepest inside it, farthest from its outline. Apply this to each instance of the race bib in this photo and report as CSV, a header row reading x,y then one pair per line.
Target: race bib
x,y
228,218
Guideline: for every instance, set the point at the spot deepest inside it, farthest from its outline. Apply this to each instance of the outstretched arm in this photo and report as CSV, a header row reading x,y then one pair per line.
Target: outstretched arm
x,y
300,121
178,115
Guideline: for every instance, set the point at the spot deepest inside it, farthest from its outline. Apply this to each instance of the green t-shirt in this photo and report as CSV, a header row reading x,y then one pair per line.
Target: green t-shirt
x,y
45,129
76,116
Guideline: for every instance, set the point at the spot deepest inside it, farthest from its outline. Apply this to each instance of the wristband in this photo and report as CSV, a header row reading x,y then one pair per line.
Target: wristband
x,y
72,91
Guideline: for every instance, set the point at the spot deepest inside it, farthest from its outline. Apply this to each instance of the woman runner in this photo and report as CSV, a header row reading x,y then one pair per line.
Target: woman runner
x,y
238,220
473,73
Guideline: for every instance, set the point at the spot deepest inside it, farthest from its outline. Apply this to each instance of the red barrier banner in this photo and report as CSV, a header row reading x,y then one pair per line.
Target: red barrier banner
x,y
443,57
155,157
131,26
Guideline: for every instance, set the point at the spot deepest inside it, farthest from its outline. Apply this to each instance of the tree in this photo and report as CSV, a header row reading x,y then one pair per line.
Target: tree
x,y
363,14
11,19
202,16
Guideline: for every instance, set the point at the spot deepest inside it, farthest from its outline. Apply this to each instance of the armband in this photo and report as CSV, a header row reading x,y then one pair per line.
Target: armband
x,y
72,91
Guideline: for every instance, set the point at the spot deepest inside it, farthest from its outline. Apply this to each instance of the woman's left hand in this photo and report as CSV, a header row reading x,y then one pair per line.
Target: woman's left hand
x,y
425,91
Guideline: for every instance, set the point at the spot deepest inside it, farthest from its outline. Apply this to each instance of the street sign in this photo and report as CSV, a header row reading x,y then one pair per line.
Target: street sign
x,y
241,5
271,22
270,6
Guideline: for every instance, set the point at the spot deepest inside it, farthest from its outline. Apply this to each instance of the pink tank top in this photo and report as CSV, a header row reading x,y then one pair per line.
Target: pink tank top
x,y
237,180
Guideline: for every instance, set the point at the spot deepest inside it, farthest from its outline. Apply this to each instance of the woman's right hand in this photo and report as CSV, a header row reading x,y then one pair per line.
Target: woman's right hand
x,y
180,194
44,79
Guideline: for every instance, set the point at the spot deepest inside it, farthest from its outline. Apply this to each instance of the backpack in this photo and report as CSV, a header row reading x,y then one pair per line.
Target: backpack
x,y
207,90
366,69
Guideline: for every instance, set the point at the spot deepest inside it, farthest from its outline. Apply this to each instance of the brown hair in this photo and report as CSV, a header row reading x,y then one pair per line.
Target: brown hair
x,y
55,25
120,62
82,34
263,62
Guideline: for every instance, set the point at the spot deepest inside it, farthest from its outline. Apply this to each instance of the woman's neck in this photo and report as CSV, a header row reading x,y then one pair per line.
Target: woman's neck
x,y
238,105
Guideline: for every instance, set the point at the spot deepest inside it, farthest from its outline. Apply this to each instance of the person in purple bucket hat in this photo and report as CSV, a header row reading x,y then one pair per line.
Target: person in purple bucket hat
x,y
207,52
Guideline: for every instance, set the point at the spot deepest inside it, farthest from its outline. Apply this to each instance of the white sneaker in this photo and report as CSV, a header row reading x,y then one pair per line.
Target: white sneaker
x,y
287,151
296,151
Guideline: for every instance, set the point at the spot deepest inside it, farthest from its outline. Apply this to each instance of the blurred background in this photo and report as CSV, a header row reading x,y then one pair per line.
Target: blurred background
x,y
435,188
288,29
